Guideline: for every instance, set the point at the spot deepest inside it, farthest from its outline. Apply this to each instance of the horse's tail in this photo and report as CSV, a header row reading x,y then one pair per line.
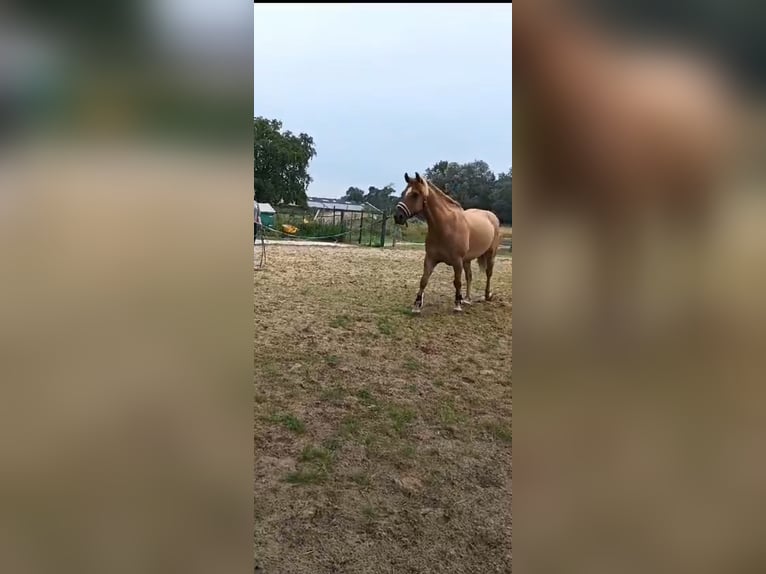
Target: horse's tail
x,y
487,257
482,261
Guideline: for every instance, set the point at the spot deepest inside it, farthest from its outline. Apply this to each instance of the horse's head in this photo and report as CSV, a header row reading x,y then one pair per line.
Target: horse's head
x,y
413,200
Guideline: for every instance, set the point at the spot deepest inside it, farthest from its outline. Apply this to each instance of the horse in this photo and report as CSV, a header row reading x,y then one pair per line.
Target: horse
x,y
455,236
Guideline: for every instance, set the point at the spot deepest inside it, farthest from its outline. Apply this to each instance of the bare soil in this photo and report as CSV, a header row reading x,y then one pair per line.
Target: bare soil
x,y
382,439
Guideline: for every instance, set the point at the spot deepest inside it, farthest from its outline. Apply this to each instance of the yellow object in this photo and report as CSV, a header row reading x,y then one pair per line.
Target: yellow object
x,y
289,229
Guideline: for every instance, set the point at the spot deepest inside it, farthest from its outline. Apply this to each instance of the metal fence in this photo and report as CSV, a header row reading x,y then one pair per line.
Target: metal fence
x,y
362,228
365,228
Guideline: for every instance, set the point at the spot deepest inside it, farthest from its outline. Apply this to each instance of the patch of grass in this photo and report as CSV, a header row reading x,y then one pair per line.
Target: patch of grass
x,y
306,476
316,464
412,364
407,451
361,478
333,395
341,321
385,326
270,371
448,415
350,426
400,418
332,444
370,513
333,360
290,422
316,454
499,431
366,398
370,440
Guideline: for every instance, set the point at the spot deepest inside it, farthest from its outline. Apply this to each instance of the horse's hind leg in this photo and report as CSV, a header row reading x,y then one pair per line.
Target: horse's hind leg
x,y
428,268
468,279
490,265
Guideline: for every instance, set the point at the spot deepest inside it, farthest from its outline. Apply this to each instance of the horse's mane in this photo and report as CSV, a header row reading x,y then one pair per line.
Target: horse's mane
x,y
443,194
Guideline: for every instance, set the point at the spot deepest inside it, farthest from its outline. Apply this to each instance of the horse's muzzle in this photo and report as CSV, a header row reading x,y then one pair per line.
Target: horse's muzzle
x,y
402,213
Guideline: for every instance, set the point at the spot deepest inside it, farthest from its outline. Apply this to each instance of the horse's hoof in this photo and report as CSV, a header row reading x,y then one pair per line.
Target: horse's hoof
x,y
416,310
458,309
488,297
467,302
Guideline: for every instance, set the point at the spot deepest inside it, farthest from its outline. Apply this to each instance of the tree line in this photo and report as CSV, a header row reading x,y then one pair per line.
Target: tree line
x,y
281,161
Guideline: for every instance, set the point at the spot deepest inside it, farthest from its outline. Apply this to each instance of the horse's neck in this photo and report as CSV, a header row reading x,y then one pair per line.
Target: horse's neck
x,y
439,209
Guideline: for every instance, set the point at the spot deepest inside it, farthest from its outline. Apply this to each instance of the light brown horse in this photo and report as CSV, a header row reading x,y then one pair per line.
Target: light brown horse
x,y
455,236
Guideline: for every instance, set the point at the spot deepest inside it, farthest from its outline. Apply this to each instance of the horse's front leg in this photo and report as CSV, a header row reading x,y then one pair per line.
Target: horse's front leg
x,y
458,268
428,268
468,279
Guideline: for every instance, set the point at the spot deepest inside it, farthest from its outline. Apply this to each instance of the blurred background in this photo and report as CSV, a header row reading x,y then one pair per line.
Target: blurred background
x,y
126,290
640,272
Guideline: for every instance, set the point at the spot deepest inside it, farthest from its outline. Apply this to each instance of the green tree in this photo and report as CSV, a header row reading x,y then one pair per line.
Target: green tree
x,y
353,194
281,160
502,197
384,198
471,183
444,175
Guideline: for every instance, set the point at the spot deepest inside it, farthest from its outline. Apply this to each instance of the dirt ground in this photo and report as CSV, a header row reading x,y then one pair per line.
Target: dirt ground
x,y
382,440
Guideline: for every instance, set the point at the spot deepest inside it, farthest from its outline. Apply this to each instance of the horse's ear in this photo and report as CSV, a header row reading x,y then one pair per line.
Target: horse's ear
x,y
406,177
418,178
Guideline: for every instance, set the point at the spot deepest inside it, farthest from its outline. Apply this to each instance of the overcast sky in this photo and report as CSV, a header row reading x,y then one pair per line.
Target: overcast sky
x,y
387,88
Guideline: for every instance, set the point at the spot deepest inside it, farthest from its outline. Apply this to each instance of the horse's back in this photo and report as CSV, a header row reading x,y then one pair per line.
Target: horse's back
x,y
485,231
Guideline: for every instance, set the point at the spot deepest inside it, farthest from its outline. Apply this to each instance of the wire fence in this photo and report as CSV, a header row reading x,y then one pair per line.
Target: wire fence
x,y
360,228
370,229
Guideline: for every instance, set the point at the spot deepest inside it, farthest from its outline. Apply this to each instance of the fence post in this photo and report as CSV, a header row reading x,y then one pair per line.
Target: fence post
x,y
372,227
361,226
383,232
